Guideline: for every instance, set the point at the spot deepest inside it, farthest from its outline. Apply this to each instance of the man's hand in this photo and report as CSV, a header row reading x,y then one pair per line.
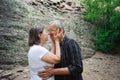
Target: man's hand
x,y
45,74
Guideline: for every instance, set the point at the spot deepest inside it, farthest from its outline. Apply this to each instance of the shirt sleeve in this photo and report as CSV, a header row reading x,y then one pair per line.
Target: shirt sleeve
x,y
76,66
42,52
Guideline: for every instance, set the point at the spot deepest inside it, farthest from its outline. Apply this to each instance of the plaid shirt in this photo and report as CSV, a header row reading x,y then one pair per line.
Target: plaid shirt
x,y
71,58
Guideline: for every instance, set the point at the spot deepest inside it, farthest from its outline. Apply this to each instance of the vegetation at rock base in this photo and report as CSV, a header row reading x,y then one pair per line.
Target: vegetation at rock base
x,y
105,15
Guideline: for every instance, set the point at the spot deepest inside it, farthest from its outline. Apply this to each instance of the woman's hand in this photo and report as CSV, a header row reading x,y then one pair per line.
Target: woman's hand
x,y
58,36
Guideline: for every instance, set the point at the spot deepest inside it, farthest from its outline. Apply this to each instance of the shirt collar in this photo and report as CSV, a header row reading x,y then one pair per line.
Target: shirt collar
x,y
64,40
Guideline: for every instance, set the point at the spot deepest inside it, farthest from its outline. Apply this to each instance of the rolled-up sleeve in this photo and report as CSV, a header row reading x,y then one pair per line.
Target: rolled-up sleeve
x,y
76,66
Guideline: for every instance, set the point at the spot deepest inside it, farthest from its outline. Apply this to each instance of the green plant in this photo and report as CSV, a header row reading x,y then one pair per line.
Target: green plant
x,y
102,13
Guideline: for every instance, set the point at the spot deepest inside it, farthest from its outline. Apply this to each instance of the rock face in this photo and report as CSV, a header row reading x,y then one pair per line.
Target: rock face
x,y
18,16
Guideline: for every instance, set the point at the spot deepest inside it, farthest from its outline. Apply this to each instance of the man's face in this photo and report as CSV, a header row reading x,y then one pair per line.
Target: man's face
x,y
52,30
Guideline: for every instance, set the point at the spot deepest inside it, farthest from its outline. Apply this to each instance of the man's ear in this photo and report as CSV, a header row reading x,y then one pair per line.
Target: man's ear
x,y
60,29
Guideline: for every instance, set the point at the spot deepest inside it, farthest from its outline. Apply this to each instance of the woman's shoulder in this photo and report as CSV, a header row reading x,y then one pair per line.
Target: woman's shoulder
x,y
38,47
35,48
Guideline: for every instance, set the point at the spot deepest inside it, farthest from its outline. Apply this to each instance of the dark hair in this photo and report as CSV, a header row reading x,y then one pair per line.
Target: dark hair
x,y
33,35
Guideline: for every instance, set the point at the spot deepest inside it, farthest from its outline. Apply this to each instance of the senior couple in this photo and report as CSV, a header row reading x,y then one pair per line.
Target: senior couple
x,y
63,62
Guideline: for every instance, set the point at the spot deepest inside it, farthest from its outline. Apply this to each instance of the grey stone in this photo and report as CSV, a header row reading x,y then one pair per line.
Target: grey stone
x,y
18,16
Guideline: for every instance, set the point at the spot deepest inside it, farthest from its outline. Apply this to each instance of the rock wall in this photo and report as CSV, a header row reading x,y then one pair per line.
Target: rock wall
x,y
18,16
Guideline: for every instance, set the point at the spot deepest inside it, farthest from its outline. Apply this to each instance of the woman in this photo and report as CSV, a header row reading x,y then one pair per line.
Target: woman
x,y
39,56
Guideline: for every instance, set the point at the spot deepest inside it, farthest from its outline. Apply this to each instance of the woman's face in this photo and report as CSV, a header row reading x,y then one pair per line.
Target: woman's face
x,y
44,37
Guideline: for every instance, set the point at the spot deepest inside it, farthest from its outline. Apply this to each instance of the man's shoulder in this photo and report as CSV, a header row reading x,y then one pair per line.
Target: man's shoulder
x,y
70,40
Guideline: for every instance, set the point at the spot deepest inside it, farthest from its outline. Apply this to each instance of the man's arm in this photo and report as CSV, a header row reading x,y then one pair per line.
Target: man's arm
x,y
61,71
45,74
76,66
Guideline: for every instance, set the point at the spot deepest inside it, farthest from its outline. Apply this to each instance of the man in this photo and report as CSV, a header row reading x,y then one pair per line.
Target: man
x,y
70,66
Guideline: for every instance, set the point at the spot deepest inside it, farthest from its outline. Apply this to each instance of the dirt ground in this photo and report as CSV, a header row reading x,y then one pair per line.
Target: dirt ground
x,y
102,67
99,67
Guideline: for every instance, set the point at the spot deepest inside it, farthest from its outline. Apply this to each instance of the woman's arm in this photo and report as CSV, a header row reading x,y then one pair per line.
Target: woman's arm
x,y
53,58
53,47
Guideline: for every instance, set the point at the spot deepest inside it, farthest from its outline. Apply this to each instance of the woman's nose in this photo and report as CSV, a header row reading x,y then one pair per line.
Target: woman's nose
x,y
46,34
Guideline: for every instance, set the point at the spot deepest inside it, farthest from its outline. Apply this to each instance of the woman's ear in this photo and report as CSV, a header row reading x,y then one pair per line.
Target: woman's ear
x,y
39,35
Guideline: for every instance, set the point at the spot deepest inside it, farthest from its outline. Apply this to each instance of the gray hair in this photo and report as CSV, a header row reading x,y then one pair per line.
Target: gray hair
x,y
57,23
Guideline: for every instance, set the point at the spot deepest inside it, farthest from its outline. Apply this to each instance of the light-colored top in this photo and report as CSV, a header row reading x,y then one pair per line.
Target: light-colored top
x,y
36,52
